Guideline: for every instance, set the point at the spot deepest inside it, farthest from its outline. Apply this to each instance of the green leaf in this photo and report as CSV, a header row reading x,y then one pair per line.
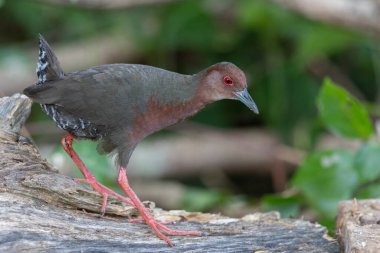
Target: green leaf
x,y
342,113
198,199
325,178
288,206
367,162
368,192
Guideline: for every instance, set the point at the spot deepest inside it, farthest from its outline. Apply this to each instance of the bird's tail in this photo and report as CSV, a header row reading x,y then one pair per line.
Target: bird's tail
x,y
48,67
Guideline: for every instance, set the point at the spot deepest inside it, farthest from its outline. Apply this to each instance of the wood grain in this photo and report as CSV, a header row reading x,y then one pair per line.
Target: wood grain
x,y
358,226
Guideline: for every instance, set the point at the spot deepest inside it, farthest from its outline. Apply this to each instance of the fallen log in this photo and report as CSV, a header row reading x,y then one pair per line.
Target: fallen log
x,y
358,226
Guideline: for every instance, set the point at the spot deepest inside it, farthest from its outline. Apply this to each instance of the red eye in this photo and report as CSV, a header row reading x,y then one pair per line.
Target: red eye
x,y
228,81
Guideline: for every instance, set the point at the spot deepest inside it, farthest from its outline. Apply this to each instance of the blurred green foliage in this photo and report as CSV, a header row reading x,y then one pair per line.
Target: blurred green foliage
x,y
328,176
343,114
288,206
196,199
276,49
325,178
284,56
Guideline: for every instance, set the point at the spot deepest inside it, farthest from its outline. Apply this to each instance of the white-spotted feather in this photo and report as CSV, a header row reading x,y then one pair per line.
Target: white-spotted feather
x,y
77,126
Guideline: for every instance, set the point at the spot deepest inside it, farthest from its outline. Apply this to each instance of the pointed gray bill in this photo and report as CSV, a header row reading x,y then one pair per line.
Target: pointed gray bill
x,y
246,99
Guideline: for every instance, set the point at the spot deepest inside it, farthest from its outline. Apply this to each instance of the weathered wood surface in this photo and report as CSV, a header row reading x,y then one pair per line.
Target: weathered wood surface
x,y
358,226
43,211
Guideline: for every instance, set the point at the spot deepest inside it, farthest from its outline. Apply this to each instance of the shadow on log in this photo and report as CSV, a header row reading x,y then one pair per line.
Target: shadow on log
x,y
44,211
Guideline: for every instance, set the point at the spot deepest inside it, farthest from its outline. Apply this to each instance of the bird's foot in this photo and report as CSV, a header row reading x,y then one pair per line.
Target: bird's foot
x,y
170,231
141,220
157,227
136,220
104,191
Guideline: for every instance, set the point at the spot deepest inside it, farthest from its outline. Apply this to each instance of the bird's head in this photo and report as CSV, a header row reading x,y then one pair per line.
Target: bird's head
x,y
226,81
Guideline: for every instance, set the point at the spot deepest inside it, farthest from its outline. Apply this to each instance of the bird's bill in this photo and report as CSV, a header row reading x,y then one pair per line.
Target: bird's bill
x,y
246,99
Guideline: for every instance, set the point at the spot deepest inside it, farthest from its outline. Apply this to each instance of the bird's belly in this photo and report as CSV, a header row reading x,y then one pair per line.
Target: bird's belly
x,y
78,127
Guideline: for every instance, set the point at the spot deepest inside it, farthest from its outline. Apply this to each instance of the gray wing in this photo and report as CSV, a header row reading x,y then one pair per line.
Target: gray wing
x,y
104,94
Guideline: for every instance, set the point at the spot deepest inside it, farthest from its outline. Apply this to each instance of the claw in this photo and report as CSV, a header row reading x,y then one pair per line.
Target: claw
x,y
146,215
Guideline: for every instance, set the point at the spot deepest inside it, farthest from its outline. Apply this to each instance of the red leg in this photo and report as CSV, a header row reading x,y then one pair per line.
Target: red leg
x,y
89,178
140,220
145,214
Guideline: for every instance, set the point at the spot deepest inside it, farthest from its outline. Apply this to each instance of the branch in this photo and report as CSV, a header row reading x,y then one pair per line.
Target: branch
x,y
362,15
13,113
252,150
358,225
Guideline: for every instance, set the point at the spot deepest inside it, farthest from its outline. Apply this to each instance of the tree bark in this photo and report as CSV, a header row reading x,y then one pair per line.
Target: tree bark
x,y
358,226
44,211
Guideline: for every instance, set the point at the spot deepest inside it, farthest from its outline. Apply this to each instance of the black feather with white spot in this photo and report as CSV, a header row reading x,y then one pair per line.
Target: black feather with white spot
x,y
42,64
48,69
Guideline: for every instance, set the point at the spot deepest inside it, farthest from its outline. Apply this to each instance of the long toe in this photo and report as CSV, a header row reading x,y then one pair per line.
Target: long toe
x,y
170,231
157,227
104,191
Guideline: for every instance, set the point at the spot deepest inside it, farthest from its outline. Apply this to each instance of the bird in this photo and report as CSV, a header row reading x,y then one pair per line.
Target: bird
x,y
118,105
